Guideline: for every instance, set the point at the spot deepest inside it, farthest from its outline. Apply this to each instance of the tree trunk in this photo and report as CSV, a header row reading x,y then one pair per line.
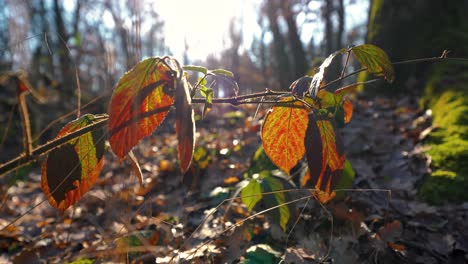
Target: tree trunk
x,y
279,46
299,65
65,61
416,29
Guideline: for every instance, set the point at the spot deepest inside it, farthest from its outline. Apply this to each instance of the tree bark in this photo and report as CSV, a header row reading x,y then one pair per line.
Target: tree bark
x,y
299,65
279,45
416,29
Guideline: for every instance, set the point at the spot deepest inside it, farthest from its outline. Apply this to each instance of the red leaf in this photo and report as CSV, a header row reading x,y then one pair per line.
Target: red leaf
x,y
283,135
22,87
324,152
72,169
185,124
140,103
348,110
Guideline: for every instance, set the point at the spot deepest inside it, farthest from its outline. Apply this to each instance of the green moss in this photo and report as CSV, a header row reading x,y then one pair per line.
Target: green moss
x,y
444,186
374,28
446,94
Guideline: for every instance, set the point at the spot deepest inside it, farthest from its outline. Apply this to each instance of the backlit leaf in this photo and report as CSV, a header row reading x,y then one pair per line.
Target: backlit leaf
x,y
326,99
208,94
318,77
140,103
348,110
300,86
72,169
375,60
196,69
223,72
184,124
251,194
324,152
283,135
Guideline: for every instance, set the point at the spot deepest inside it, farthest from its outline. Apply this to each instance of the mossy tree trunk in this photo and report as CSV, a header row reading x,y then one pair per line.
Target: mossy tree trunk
x,y
424,28
416,29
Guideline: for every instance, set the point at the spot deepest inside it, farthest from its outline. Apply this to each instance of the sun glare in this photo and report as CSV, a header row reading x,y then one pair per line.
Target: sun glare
x,y
203,24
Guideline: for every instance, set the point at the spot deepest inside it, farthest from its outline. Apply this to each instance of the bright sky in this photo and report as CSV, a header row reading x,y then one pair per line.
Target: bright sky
x,y
204,24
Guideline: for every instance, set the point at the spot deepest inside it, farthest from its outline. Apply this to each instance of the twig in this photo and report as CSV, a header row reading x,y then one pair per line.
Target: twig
x,y
23,160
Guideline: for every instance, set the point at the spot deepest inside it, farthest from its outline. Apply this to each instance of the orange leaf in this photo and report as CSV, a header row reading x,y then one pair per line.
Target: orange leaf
x,y
184,124
283,135
140,103
72,169
324,152
324,197
348,110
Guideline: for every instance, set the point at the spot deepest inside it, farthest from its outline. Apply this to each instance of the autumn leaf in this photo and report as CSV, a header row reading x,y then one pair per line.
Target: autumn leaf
x,y
283,134
300,86
140,103
375,60
324,153
184,124
348,110
72,169
318,77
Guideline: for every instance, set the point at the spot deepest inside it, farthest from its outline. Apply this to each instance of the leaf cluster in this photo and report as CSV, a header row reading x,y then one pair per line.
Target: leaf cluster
x,y
300,126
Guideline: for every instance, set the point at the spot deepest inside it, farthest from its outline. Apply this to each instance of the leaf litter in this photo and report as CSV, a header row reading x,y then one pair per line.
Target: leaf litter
x,y
172,218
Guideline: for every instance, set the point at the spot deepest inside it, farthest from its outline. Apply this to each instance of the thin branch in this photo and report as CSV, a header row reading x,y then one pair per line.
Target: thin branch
x,y
36,153
433,59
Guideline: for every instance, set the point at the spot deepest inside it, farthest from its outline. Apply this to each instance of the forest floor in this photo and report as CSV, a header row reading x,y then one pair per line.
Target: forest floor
x,y
381,220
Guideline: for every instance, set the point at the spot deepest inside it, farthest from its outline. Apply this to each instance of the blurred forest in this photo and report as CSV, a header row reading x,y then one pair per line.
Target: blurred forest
x,y
409,137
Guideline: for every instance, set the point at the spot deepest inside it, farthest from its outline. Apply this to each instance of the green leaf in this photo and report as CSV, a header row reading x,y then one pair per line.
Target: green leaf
x,y
375,60
140,102
262,253
251,194
202,81
260,162
72,169
327,99
272,184
347,179
196,68
223,72
208,94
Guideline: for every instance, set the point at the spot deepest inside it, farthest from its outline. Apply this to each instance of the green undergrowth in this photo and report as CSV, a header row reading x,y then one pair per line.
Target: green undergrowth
x,y
446,94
